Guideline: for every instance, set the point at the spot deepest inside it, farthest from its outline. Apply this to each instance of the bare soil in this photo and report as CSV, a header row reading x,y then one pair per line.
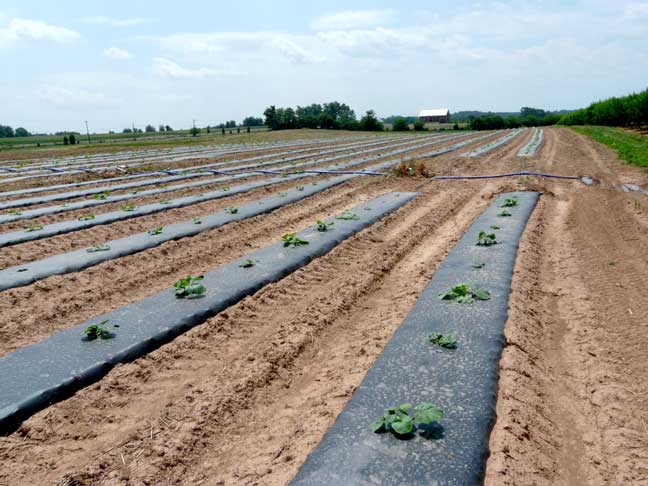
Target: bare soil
x,y
244,398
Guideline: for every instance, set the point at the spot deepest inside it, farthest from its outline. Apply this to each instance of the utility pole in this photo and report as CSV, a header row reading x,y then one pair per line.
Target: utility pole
x,y
87,131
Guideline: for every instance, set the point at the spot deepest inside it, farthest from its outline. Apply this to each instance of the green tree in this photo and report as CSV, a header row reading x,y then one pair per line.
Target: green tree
x,y
22,132
73,140
419,125
400,125
6,131
370,122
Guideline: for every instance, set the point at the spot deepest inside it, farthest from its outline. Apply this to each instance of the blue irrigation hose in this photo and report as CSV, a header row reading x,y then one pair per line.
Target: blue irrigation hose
x,y
510,174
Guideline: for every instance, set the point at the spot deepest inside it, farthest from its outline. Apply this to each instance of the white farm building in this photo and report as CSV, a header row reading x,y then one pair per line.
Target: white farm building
x,y
439,115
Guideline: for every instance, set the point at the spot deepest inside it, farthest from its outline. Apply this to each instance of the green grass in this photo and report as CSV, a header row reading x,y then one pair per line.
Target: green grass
x,y
632,148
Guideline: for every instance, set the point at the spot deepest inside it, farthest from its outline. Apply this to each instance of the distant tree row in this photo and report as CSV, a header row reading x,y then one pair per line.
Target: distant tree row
x,y
626,111
529,117
148,129
334,115
7,132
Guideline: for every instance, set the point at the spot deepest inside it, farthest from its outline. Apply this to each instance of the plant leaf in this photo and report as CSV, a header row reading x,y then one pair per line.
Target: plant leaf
x,y
426,413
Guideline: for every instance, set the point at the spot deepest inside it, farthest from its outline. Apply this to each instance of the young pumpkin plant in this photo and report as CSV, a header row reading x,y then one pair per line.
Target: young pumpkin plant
x,y
98,330
189,286
156,231
399,421
486,239
447,341
33,227
465,294
291,240
323,226
247,263
128,207
87,217
510,202
504,213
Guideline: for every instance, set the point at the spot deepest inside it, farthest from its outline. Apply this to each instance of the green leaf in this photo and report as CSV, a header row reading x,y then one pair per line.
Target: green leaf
x,y
478,265
291,239
445,341
189,286
426,413
247,263
480,293
403,426
378,425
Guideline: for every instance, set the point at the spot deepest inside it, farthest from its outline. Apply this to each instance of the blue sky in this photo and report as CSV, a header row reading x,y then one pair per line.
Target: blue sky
x,y
117,62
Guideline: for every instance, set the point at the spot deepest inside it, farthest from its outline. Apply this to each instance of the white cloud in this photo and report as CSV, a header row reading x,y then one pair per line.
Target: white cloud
x,y
103,20
117,53
352,19
167,68
36,30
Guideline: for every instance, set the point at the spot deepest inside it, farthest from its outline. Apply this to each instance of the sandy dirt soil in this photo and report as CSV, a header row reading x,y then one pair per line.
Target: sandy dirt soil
x,y
243,398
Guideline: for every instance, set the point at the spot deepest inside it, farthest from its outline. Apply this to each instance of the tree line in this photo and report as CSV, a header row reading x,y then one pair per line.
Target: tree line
x,y
625,111
332,116
7,132
528,117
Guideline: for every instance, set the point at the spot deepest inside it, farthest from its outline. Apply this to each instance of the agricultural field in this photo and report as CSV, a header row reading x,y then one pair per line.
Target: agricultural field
x,y
289,307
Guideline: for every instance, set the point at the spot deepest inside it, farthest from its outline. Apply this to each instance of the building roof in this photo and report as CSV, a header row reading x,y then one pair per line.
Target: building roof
x,y
436,112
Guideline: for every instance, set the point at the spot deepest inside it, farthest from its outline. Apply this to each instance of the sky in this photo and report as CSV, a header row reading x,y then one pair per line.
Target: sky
x,y
116,63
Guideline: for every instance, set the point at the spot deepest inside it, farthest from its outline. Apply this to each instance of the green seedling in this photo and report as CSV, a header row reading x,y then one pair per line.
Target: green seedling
x,y
283,194
504,212
231,210
247,263
128,207
465,294
87,217
165,201
189,286
291,239
478,265
197,221
33,227
156,231
398,420
97,331
101,195
226,188
21,270
486,239
99,247
510,202
300,188
14,212
323,226
447,341
347,215
495,227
